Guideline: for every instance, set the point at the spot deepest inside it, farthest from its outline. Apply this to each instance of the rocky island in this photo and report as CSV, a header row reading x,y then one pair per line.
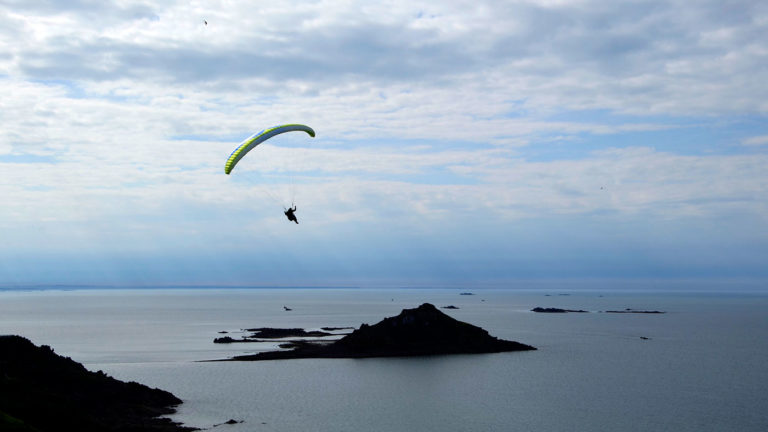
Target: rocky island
x,y
556,310
258,334
41,391
414,332
628,310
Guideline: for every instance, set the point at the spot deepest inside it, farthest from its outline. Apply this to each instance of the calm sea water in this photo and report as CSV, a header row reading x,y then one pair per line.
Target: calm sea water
x,y
703,368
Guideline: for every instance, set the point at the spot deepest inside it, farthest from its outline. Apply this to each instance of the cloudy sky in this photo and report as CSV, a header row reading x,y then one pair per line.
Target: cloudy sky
x,y
458,142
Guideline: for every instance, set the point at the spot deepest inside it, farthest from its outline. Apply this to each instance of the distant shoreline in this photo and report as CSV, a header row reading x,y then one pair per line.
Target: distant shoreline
x,y
161,287
736,287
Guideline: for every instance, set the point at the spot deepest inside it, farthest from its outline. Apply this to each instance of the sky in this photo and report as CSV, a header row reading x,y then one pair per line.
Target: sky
x,y
458,142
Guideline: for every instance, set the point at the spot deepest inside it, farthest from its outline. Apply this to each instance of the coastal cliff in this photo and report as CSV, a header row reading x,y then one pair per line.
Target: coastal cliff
x,y
414,332
41,391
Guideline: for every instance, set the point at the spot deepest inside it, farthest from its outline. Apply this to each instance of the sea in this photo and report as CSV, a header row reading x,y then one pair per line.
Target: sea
x,y
700,366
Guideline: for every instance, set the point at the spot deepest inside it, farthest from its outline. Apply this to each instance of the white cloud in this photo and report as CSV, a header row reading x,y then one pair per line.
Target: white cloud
x,y
755,140
116,117
650,57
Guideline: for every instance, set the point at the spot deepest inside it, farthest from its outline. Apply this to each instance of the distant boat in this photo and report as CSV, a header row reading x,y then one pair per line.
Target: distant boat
x,y
287,308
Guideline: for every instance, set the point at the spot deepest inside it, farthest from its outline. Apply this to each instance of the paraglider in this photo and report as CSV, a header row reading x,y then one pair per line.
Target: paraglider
x,y
259,138
251,142
289,214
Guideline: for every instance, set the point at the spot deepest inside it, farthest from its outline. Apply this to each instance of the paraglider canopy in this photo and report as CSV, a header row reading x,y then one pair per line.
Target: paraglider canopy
x,y
259,138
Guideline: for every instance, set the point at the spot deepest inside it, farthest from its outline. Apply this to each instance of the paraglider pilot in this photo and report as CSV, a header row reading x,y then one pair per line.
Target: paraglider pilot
x,y
289,214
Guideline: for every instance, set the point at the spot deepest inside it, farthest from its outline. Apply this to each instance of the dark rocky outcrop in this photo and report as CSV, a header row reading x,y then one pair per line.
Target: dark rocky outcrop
x,y
276,333
628,310
42,391
229,422
257,334
414,332
556,310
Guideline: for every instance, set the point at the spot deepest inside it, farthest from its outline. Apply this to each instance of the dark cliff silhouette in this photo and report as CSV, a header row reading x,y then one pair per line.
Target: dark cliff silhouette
x,y
414,332
42,391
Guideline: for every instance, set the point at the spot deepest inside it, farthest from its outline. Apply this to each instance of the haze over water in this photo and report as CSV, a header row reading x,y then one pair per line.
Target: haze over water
x,y
701,368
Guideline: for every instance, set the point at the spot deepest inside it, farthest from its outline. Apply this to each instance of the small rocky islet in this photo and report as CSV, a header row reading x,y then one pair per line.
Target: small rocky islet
x,y
259,334
420,331
559,310
635,311
556,310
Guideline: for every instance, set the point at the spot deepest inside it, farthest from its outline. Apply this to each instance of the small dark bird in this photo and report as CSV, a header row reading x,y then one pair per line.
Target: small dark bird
x,y
206,22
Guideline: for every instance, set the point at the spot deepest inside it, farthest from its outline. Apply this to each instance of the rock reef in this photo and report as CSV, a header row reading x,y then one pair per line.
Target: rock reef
x,y
414,332
628,310
556,310
41,391
257,334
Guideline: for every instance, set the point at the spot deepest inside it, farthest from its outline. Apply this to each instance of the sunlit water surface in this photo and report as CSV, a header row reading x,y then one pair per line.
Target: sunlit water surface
x,y
704,366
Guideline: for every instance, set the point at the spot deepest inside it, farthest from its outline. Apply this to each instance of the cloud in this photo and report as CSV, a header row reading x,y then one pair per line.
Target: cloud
x,y
438,121
648,57
755,140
